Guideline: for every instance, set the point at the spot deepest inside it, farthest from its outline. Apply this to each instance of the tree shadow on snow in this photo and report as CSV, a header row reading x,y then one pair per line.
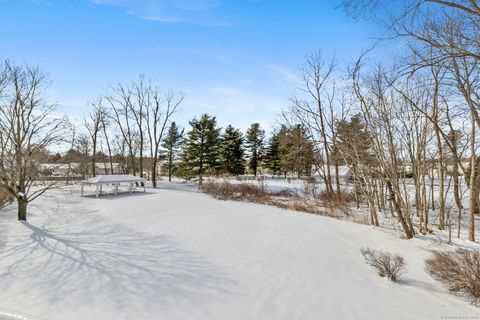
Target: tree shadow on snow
x,y
94,260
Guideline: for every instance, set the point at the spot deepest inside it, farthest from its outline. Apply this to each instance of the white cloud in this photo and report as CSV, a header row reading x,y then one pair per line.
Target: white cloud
x,y
188,11
285,74
198,5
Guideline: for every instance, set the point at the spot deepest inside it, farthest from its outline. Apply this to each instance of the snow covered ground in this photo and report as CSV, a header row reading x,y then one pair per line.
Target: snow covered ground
x,y
173,253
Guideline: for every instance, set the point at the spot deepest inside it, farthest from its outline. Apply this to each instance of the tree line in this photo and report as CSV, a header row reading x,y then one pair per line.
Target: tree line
x,y
205,149
208,150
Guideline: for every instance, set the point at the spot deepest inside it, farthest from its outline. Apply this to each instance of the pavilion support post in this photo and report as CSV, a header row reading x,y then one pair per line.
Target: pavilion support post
x,y
130,187
116,188
144,187
96,190
81,188
100,189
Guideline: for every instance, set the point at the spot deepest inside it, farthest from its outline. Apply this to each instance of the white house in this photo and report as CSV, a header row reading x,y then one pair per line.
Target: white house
x,y
59,169
344,172
104,168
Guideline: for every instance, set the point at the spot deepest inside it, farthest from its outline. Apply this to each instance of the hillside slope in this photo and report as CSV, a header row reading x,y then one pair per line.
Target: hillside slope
x,y
176,254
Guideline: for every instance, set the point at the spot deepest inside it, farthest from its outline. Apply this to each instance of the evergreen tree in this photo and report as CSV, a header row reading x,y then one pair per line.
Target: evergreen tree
x,y
232,151
172,143
284,146
272,155
353,141
255,137
201,147
299,151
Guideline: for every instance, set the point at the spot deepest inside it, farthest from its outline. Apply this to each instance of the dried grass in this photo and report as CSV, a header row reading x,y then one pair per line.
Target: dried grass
x,y
285,199
336,202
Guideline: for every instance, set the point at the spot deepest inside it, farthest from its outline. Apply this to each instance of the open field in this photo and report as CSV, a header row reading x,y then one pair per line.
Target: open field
x,y
173,253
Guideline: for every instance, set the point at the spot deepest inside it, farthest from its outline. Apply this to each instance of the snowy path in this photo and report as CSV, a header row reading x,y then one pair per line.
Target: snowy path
x,y
174,254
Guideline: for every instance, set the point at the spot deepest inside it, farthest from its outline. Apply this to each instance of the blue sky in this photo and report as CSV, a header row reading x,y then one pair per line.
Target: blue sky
x,y
236,59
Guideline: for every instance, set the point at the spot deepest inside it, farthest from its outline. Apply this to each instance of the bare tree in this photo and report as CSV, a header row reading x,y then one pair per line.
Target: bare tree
x,y
27,127
120,102
93,124
379,107
444,35
140,91
312,107
105,123
161,107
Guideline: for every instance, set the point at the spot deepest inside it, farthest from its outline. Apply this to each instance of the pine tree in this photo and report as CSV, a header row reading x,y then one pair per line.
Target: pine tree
x,y
255,137
201,148
233,151
284,146
272,155
353,141
172,143
299,151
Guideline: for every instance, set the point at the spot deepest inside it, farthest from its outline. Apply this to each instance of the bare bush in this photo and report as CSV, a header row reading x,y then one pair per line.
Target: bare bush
x,y
285,193
285,199
304,205
459,271
258,194
310,186
5,197
386,264
336,201
240,191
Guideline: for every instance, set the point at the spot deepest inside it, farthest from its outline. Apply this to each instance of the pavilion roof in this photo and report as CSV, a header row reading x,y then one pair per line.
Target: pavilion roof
x,y
115,178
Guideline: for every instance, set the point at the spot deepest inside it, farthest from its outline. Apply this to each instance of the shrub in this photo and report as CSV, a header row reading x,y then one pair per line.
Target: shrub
x,y
5,197
310,186
286,199
240,191
336,201
285,193
216,190
459,271
386,264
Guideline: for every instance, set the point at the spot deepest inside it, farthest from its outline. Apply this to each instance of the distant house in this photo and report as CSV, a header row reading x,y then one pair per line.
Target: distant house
x,y
74,169
103,168
59,169
344,172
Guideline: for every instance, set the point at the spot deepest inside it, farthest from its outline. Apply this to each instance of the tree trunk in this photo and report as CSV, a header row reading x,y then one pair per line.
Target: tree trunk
x,y
432,190
110,159
382,196
337,178
441,188
373,211
22,209
471,223
94,155
356,195
255,162
406,228
154,174
200,173
424,213
93,167
473,195
416,183
170,165
141,156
